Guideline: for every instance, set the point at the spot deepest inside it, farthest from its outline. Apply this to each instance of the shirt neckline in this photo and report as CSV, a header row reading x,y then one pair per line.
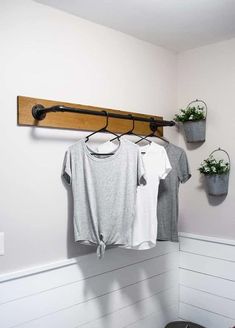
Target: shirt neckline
x,y
146,147
88,151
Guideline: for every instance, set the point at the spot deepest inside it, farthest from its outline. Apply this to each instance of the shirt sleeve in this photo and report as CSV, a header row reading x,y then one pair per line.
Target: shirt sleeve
x,y
141,177
67,171
183,168
166,165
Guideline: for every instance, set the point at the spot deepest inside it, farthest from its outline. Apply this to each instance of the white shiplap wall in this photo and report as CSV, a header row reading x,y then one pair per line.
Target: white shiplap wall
x,y
125,289
207,281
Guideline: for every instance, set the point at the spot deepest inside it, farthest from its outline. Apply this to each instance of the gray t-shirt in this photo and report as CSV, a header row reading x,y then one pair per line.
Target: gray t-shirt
x,y
104,192
167,209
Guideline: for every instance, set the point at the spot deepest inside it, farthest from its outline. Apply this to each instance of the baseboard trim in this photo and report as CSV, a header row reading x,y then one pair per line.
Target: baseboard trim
x,y
207,238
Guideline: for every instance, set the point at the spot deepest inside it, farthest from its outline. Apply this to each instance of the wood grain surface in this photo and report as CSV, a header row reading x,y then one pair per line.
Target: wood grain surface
x,y
75,121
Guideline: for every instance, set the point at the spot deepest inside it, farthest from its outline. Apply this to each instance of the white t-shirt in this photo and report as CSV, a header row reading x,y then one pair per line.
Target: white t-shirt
x,y
157,166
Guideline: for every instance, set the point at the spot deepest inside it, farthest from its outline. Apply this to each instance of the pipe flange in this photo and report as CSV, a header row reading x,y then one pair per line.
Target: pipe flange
x,y
153,126
38,112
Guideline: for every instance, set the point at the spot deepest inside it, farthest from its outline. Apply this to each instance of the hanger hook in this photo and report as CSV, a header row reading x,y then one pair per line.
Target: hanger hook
x,y
133,123
107,119
153,125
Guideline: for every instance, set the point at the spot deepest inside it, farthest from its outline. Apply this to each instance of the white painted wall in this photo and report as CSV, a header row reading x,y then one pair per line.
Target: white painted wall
x,y
208,73
49,54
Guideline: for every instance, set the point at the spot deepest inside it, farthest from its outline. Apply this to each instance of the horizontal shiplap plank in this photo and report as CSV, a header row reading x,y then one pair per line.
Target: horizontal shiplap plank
x,y
207,265
211,239
209,302
85,267
207,248
64,296
164,304
204,317
218,286
93,309
157,319
67,295
207,281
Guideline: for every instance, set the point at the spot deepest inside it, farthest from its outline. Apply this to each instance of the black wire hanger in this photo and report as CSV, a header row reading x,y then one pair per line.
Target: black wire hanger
x,y
103,129
154,126
130,132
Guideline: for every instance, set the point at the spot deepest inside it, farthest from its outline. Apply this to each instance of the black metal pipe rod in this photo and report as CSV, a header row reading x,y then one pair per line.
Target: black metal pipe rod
x,y
39,113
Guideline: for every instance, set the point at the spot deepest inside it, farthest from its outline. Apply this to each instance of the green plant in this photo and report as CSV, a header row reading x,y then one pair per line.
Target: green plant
x,y
190,114
212,166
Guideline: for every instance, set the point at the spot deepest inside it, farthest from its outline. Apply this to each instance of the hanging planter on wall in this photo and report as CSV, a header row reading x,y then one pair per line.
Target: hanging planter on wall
x,y
193,119
216,174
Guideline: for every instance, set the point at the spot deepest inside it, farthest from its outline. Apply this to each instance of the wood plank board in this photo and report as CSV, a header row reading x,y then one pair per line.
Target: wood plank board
x,y
47,311
207,284
37,281
124,283
207,265
133,299
204,317
74,121
214,285
63,297
207,248
209,302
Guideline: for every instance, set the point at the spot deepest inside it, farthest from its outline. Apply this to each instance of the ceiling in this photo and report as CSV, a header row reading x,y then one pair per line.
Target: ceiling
x,y
177,25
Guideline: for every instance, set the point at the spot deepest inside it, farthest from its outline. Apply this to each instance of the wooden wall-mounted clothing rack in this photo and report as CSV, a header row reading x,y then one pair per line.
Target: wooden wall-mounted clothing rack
x,y
54,114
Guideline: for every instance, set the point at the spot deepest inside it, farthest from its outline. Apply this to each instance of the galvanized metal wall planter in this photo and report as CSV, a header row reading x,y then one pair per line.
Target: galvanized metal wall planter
x,y
195,131
217,184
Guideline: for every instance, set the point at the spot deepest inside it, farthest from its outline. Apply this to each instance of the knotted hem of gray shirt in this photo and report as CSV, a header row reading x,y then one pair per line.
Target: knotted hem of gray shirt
x,y
101,248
